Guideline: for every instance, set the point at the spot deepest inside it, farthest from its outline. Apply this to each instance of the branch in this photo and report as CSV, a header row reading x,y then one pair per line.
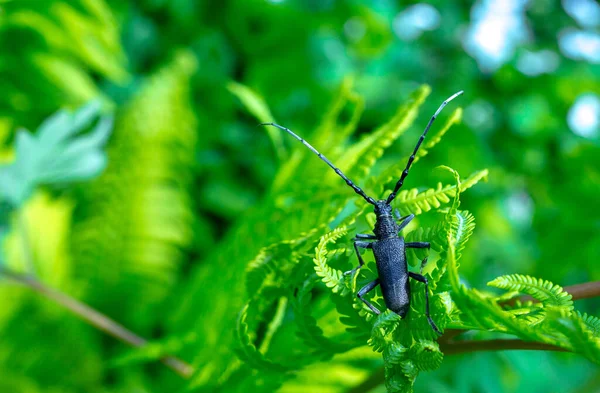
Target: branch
x,y
96,319
579,291
453,348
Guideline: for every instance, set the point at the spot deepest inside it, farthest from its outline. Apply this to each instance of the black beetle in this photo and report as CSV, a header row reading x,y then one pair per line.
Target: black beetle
x,y
389,247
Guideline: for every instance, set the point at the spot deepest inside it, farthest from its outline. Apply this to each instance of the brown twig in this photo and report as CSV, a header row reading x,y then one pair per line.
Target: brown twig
x,y
95,318
453,348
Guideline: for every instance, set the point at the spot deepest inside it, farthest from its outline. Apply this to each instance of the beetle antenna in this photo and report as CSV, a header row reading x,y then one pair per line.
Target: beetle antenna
x,y
349,182
391,197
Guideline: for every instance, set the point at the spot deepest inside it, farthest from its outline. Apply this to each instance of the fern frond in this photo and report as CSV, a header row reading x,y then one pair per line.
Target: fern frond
x,y
463,225
246,349
359,159
140,215
389,176
434,235
426,355
592,322
415,202
333,278
383,329
273,264
544,291
256,106
575,332
396,381
308,330
328,138
393,353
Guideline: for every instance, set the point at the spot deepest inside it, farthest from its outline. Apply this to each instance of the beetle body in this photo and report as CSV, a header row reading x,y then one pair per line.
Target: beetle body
x,y
390,257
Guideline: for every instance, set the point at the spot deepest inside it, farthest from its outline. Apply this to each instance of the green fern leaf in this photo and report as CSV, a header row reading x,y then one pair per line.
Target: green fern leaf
x,y
246,349
358,159
426,355
333,278
308,330
383,329
390,176
592,322
463,226
575,331
257,107
415,202
329,139
393,353
544,291
145,185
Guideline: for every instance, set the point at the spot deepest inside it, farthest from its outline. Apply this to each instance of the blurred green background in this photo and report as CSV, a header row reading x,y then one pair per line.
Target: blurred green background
x,y
187,167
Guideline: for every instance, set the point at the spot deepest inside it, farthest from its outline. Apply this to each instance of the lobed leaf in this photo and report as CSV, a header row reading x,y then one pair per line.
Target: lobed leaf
x,y
415,202
546,292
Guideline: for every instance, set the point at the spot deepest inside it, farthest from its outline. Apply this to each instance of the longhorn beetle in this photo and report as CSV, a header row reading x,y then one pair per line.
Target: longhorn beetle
x,y
386,242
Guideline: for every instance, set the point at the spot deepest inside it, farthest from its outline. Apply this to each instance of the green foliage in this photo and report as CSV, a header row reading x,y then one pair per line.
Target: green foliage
x,y
201,214
408,345
52,50
415,202
544,291
142,212
56,153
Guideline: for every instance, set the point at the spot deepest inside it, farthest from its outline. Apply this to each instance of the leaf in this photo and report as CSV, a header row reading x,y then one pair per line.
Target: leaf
x,y
544,291
592,322
360,157
578,336
463,225
415,202
383,329
308,330
258,108
426,355
59,153
389,176
333,278
147,185
248,351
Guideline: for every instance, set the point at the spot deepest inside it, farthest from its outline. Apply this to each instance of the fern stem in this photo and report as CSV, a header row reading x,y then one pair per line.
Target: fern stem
x,y
25,242
457,347
95,318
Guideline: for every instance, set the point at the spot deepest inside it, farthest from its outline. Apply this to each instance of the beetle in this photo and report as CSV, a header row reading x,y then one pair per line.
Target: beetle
x,y
388,246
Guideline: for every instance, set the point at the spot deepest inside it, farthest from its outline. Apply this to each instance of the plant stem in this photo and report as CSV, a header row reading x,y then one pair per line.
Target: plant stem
x,y
95,318
453,348
26,243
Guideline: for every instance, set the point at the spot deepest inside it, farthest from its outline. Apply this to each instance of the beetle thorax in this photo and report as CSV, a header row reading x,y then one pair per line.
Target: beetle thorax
x,y
385,226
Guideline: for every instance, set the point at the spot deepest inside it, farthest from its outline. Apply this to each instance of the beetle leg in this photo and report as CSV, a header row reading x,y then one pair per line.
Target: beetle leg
x,y
366,289
405,221
364,236
423,279
360,260
417,245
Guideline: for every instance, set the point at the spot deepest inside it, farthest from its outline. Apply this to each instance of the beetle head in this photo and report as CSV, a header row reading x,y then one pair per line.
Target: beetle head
x,y
382,208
